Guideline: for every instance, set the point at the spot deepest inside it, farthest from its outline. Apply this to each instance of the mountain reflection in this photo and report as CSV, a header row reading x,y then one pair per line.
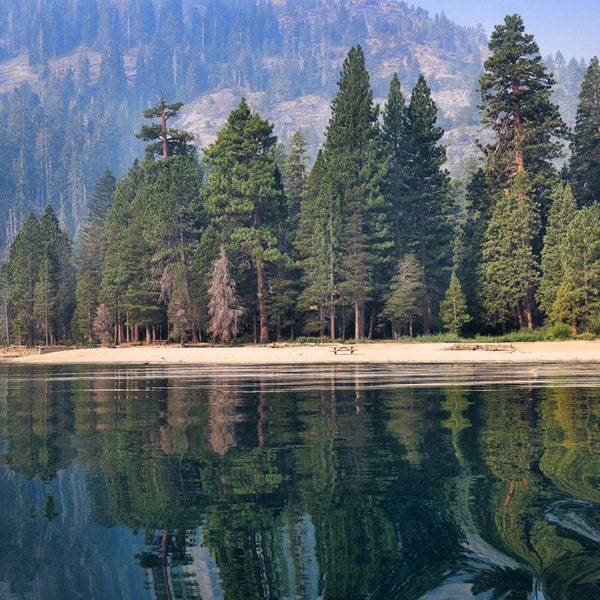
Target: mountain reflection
x,y
312,482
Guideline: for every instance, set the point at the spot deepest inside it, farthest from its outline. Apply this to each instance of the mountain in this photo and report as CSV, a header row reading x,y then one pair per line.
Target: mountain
x,y
76,76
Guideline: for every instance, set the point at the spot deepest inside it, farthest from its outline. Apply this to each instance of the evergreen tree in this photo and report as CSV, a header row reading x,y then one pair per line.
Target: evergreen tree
x,y
115,274
395,147
41,281
469,246
403,304
166,141
453,308
23,268
562,212
244,197
99,203
91,259
317,245
584,166
354,175
295,175
509,267
427,195
577,299
44,301
516,94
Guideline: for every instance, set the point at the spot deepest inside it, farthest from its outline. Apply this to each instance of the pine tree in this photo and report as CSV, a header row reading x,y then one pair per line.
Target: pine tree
x,y
453,308
562,212
44,301
23,268
166,141
584,165
395,147
354,175
99,203
469,246
510,268
91,259
41,280
577,299
427,195
317,245
403,303
516,101
115,274
244,197
516,94
295,176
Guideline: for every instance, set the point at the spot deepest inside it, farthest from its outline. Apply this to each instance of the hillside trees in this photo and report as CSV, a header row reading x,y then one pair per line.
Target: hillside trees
x,y
516,91
244,198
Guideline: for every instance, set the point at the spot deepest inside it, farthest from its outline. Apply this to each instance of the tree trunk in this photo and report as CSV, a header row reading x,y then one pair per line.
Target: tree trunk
x,y
359,320
262,310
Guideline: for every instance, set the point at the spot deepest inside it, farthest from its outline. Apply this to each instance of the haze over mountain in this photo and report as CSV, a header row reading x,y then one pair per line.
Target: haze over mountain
x,y
75,78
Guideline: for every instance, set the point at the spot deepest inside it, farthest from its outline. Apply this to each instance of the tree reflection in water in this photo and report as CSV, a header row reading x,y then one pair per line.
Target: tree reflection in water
x,y
337,482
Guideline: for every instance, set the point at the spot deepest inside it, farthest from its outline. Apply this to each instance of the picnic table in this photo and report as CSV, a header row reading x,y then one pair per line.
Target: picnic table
x,y
343,348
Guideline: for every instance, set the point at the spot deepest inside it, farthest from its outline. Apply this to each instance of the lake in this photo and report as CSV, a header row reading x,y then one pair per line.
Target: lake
x,y
306,482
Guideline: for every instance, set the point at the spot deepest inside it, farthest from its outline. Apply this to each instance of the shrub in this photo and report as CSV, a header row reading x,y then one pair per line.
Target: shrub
x,y
560,331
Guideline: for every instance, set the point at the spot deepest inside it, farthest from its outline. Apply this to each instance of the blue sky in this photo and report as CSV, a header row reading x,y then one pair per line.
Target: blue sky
x,y
571,26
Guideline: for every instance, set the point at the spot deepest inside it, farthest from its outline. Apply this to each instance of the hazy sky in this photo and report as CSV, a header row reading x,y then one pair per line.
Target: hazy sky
x,y
571,26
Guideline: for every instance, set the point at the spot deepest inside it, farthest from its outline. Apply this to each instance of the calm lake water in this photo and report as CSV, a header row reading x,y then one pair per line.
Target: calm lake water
x,y
335,482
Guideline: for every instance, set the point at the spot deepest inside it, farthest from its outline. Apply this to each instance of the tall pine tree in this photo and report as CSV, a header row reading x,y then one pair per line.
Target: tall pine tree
x,y
244,198
516,94
584,166
427,195
353,175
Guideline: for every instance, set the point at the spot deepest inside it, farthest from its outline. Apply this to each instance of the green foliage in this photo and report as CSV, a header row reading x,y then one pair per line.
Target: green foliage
x,y
515,91
560,331
578,296
166,141
509,271
403,304
584,164
418,188
41,282
453,308
244,196
344,233
562,212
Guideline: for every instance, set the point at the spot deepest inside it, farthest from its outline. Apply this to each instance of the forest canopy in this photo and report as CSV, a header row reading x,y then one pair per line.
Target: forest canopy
x,y
254,240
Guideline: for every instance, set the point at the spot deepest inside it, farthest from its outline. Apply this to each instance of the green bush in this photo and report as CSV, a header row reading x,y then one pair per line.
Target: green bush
x,y
560,331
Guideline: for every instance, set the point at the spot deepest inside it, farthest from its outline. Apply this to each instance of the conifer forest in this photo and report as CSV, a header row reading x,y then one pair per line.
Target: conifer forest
x,y
251,238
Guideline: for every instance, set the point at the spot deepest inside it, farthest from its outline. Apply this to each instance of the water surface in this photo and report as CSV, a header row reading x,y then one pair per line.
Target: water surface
x,y
309,482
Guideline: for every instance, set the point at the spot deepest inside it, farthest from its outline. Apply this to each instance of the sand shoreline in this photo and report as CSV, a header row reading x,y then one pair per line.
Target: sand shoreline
x,y
574,351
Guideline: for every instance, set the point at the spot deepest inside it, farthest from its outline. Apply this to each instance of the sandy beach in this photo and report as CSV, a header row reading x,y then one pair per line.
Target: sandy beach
x,y
370,353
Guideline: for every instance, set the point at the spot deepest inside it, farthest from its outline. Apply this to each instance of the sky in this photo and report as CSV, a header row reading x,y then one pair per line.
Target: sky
x,y
571,26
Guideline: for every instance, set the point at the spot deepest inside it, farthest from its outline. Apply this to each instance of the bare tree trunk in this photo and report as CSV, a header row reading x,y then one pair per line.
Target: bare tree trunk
x,y
262,309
